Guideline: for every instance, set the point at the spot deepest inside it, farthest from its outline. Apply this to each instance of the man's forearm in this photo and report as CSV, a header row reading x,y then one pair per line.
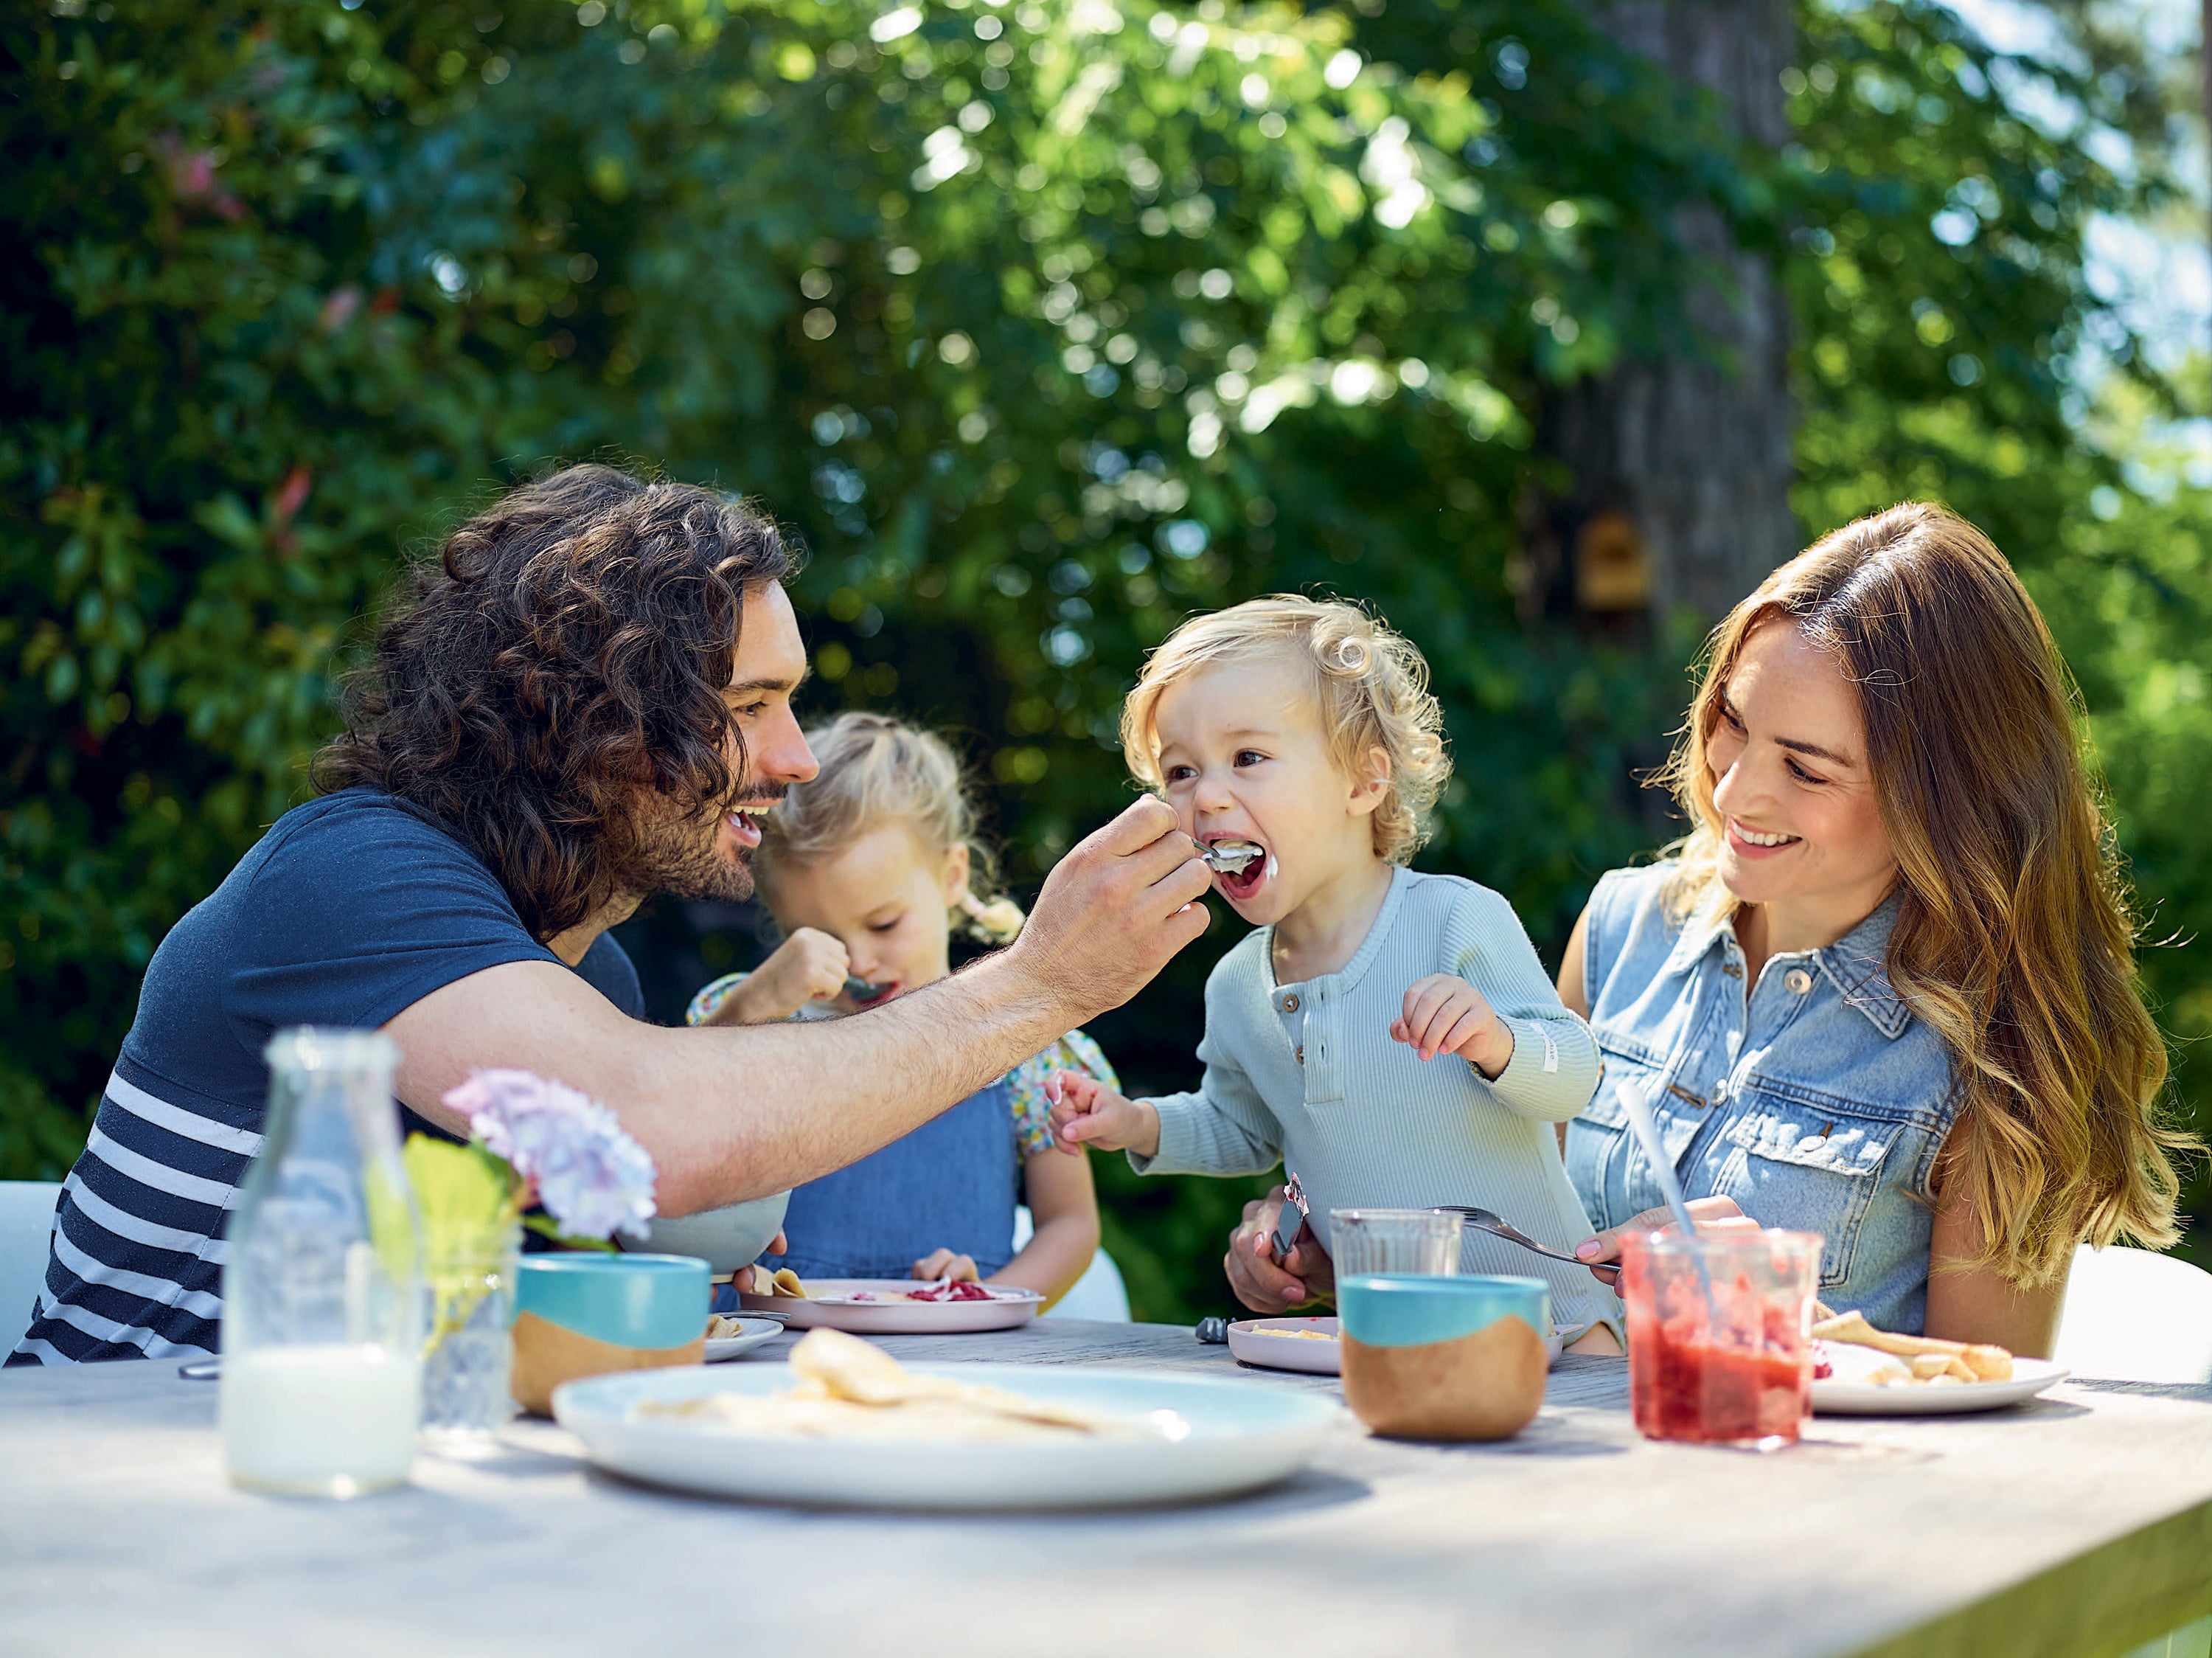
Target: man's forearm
x,y
803,1098
737,1113
732,1114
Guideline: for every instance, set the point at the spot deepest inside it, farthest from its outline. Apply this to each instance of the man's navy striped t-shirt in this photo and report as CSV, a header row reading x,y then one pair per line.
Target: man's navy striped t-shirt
x,y
350,909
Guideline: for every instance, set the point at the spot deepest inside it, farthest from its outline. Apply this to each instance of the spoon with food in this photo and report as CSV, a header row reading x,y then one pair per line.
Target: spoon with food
x,y
1230,857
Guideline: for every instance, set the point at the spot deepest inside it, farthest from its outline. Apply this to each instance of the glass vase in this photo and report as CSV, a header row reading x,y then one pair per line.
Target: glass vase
x,y
466,1392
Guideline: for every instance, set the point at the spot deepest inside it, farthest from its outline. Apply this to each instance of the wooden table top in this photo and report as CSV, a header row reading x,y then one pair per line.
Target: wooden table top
x,y
2081,1523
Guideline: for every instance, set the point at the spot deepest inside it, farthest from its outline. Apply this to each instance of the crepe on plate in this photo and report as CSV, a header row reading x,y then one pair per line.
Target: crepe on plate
x,y
851,1389
1910,1361
757,1280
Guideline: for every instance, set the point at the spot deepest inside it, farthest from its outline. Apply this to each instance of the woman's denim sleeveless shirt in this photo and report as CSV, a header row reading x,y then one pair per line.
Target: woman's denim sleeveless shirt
x,y
1817,1101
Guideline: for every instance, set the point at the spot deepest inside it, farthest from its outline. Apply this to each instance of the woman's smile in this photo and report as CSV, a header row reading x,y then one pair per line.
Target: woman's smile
x,y
1747,842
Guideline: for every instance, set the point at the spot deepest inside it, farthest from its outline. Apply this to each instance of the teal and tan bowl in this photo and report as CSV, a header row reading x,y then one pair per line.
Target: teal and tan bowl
x,y
1455,1358
590,1315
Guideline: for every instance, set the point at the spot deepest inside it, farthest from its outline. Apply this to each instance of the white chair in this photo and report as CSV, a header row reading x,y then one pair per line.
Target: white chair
x,y
27,1229
1099,1294
2132,1315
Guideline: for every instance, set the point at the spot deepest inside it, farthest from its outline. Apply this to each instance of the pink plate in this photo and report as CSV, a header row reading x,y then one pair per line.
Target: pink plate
x,y
838,1304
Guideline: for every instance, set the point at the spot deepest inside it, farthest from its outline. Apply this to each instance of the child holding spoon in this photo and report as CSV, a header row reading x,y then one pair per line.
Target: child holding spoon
x,y
866,869
1391,1036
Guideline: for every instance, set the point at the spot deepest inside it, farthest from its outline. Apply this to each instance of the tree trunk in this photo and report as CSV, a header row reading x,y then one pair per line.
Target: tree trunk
x,y
1682,465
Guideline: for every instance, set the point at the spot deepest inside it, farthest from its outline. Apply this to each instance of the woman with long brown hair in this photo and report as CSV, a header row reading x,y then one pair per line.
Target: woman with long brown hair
x,y
1884,988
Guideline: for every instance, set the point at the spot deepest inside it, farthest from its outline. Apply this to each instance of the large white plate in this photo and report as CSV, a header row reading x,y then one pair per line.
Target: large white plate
x,y
752,1332
828,1301
1270,1343
1837,1398
1237,1437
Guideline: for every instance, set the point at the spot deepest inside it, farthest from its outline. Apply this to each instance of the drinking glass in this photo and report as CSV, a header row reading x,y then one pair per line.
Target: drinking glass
x,y
1393,1241
1720,1347
322,1287
465,1371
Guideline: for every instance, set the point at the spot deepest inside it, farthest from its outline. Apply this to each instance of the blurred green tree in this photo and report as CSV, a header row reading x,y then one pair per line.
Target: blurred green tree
x,y
1045,327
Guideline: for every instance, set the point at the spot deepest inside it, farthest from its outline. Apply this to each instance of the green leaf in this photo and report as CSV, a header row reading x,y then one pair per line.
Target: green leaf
x,y
464,1194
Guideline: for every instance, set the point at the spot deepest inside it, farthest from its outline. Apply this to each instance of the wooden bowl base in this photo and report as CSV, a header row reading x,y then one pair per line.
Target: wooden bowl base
x,y
547,1354
1485,1386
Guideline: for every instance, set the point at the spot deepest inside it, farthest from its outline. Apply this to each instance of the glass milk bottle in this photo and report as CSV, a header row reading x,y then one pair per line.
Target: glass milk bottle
x,y
322,1285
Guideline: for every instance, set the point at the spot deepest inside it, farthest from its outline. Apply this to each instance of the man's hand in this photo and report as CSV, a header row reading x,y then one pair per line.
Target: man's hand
x,y
941,1264
1711,1215
1114,911
808,966
1446,1015
1306,1274
1086,1113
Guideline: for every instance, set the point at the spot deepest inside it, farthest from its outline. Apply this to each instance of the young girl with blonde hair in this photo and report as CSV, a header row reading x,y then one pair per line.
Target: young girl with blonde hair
x,y
1390,1037
866,869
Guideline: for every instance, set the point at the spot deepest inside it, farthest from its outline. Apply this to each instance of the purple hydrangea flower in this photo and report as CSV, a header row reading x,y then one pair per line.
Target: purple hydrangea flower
x,y
591,1177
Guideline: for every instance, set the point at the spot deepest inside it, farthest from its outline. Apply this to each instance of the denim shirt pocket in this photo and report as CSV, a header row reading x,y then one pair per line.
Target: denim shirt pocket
x,y
1603,1159
1808,1163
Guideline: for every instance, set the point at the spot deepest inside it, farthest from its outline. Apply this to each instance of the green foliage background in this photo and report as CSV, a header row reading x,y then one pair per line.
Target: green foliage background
x,y
1043,326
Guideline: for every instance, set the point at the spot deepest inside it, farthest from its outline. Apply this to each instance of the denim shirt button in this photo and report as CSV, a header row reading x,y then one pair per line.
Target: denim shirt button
x,y
1798,980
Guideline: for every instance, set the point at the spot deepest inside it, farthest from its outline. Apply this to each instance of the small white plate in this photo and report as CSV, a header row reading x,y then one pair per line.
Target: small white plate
x,y
1273,1344
752,1333
1234,1435
834,1303
1838,1397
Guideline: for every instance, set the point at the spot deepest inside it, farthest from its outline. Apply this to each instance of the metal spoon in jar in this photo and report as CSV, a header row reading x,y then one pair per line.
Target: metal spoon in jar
x,y
1635,1101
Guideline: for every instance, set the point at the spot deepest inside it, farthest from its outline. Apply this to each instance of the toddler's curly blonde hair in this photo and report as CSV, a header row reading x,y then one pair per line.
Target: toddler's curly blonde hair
x,y
1371,686
877,771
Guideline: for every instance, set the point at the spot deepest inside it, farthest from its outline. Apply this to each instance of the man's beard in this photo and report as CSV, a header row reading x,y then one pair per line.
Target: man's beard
x,y
682,860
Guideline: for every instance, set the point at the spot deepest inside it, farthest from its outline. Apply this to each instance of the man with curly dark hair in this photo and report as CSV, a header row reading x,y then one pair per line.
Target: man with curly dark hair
x,y
584,701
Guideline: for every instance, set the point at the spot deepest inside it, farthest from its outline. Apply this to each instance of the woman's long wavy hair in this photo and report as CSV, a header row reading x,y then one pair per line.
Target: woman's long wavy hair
x,y
560,662
2013,937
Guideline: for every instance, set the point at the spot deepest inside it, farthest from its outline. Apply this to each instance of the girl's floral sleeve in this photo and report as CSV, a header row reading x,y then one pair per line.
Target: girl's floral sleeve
x,y
1025,1084
704,1004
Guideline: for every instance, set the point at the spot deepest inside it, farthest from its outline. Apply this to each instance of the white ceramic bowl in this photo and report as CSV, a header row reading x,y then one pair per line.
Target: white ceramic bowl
x,y
726,1239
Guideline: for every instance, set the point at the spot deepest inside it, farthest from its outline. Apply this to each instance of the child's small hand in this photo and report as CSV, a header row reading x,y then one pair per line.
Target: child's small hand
x,y
1447,1014
942,1264
808,966
1086,1113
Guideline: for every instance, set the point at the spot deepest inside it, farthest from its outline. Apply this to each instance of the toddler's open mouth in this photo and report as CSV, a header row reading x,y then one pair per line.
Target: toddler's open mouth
x,y
1238,886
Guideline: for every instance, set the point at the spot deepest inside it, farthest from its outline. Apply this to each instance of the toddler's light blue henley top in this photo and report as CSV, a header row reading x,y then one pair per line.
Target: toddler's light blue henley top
x,y
1307,1075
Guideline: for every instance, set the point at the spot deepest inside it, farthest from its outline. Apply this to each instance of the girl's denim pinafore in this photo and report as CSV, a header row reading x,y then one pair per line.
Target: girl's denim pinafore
x,y
1817,1101
951,1184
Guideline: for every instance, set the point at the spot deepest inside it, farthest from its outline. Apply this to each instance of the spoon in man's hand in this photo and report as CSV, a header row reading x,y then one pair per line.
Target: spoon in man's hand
x,y
1230,857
